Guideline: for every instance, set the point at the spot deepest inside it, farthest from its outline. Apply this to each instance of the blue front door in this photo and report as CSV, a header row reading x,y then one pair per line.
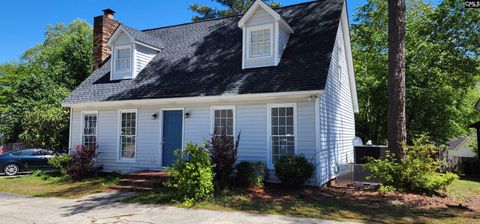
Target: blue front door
x,y
172,135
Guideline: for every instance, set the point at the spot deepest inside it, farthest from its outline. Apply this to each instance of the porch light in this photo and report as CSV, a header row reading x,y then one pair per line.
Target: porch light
x,y
155,116
187,115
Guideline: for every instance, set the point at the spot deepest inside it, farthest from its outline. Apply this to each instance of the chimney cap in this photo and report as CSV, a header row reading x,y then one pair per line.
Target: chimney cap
x,y
108,12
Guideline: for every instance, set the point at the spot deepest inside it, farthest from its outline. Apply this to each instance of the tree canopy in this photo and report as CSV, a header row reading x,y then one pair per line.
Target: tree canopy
x,y
442,68
32,89
229,7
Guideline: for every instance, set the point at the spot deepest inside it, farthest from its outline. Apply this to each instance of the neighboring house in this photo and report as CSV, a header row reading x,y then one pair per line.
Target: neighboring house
x,y
283,78
461,147
459,150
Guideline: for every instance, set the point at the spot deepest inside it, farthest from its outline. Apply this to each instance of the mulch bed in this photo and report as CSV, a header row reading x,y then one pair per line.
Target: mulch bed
x,y
422,201
366,195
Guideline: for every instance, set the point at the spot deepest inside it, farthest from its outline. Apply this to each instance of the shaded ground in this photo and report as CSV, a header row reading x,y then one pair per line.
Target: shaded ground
x,y
104,208
344,204
54,186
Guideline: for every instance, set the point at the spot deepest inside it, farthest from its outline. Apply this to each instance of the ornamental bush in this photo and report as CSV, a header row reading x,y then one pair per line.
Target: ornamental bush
x,y
251,174
83,162
293,171
192,174
417,172
78,164
223,153
61,163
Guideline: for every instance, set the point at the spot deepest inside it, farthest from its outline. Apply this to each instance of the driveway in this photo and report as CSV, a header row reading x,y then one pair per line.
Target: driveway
x,y
103,208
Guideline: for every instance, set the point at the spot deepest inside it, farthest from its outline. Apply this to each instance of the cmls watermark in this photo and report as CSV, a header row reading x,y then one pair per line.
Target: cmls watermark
x,y
472,4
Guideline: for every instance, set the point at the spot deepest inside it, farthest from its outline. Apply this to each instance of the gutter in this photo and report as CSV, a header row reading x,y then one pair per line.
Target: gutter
x,y
201,99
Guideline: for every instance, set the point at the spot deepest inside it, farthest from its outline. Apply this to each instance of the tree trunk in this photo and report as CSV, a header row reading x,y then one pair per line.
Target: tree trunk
x,y
397,133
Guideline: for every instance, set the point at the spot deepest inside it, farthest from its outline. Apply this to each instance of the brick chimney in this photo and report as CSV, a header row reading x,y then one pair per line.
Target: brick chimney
x,y
103,28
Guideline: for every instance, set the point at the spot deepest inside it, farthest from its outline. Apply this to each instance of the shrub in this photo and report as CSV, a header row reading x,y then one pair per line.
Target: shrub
x,y
39,173
83,162
293,171
223,153
417,172
192,175
251,174
45,127
61,163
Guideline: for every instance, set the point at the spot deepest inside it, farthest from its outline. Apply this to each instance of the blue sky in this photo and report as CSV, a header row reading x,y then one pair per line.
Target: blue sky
x,y
23,22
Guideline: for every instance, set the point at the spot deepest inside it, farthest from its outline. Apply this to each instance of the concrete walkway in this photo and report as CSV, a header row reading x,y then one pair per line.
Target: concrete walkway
x,y
103,208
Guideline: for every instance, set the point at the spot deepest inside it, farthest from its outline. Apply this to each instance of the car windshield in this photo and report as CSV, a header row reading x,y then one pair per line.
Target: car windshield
x,y
25,152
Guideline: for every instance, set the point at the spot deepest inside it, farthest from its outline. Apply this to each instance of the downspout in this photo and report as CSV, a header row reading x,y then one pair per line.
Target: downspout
x,y
317,140
70,129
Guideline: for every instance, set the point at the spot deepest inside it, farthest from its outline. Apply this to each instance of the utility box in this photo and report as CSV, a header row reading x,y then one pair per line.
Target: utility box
x,y
363,152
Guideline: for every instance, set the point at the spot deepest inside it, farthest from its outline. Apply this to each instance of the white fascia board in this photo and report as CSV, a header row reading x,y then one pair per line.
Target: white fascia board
x,y
254,7
285,24
248,14
348,53
149,46
201,99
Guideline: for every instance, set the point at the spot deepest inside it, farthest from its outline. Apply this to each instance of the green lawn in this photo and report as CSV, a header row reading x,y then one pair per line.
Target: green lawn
x,y
464,189
54,186
311,203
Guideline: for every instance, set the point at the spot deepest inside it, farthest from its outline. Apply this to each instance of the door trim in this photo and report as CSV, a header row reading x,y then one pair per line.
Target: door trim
x,y
161,130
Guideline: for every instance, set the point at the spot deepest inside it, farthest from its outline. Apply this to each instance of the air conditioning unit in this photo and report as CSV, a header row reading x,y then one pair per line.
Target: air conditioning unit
x,y
363,152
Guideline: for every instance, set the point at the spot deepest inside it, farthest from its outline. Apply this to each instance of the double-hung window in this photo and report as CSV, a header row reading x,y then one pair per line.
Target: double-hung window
x,y
89,133
223,122
282,131
123,58
260,43
128,130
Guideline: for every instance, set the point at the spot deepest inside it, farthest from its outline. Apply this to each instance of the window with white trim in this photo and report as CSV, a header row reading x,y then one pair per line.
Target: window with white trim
x,y
223,122
260,43
282,132
128,132
89,134
123,59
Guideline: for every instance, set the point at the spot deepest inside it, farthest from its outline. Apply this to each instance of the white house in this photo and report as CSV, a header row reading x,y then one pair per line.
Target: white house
x,y
283,77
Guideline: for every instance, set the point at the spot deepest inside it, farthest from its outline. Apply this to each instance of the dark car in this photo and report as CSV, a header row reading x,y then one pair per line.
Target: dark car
x,y
25,160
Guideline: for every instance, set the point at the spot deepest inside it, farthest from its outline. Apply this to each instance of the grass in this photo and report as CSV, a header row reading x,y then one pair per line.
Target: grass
x,y
464,189
313,205
51,185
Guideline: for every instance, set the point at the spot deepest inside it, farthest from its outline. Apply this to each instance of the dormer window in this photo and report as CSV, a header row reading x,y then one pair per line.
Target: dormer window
x,y
123,58
260,42
265,36
130,55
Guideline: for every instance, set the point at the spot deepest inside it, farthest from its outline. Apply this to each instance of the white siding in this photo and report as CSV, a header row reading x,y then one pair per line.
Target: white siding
x,y
143,56
283,37
147,156
148,141
122,39
197,127
76,129
337,126
260,17
251,120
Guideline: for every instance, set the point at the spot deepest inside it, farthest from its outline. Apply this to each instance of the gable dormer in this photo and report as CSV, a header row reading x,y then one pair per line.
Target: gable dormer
x,y
265,36
130,52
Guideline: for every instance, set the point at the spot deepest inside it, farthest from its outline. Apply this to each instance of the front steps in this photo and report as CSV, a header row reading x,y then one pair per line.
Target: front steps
x,y
141,181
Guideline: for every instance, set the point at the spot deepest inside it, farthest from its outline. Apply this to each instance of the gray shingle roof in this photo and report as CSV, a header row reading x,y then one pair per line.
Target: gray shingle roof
x,y
144,37
205,58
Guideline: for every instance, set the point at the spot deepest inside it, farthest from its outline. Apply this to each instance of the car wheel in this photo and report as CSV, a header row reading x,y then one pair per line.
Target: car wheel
x,y
11,169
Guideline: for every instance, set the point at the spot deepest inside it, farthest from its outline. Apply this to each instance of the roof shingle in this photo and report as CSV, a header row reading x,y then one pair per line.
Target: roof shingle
x,y
205,59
